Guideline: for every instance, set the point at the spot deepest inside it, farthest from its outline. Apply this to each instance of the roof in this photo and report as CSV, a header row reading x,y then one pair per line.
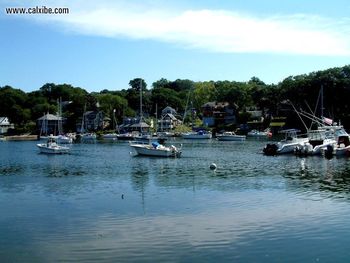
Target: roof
x,y
170,115
50,117
4,121
168,108
142,125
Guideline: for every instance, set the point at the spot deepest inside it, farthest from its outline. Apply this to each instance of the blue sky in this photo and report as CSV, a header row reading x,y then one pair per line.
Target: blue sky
x,y
104,44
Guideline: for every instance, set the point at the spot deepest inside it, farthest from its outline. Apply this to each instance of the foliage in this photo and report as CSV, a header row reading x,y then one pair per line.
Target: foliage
x,y
23,109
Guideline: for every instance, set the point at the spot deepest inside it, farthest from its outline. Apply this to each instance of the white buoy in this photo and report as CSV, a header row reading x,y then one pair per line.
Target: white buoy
x,y
212,166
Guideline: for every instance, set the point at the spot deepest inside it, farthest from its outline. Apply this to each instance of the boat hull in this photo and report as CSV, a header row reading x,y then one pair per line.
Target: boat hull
x,y
53,149
196,136
148,150
231,138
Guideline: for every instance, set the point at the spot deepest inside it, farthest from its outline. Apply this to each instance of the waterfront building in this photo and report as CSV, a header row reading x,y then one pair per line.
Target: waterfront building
x,y
218,113
5,125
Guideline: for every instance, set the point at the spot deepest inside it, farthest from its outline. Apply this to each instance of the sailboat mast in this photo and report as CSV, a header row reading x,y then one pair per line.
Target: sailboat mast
x,y
321,101
156,117
140,105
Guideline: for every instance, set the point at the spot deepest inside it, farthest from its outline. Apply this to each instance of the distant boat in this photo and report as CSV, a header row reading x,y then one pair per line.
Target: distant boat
x,y
52,147
125,136
86,137
256,133
156,149
165,134
64,139
197,135
230,136
110,136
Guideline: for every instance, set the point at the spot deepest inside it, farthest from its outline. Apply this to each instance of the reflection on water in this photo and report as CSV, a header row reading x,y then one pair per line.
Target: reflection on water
x,y
331,177
101,204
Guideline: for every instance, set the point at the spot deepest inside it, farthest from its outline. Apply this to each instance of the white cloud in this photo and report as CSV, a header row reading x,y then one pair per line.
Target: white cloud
x,y
210,30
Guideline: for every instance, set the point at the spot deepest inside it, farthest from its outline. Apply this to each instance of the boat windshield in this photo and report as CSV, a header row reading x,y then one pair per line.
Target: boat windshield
x,y
341,132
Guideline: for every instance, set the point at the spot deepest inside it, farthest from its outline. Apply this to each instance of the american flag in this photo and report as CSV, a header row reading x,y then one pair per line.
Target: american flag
x,y
327,121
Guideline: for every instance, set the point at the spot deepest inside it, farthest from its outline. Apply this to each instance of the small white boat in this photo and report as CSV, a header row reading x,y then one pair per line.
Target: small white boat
x,y
88,137
197,135
63,139
110,136
165,134
156,149
51,147
125,137
260,134
230,136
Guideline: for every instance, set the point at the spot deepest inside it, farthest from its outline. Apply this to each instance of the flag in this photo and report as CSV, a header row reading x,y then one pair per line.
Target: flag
x,y
327,121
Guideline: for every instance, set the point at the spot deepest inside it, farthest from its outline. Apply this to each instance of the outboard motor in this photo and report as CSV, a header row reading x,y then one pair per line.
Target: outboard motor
x,y
328,153
270,149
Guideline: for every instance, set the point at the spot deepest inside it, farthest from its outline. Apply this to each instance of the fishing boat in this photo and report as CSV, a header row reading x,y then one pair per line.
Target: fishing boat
x,y
341,147
52,147
287,145
230,136
197,135
319,140
155,149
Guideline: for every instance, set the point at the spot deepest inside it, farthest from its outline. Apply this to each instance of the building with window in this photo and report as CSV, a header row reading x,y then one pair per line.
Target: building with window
x,y
5,125
218,113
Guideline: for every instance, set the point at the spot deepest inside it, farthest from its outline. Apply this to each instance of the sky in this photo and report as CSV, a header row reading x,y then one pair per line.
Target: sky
x,y
105,44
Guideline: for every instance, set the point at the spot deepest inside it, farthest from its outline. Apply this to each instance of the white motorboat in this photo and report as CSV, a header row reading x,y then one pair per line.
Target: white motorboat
x,y
287,145
260,134
110,136
156,149
165,134
197,135
52,147
319,140
230,136
341,147
88,137
63,139
125,137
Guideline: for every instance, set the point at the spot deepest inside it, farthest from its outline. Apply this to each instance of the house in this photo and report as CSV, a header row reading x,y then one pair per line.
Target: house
x,y
50,124
5,125
169,110
168,122
218,113
133,124
92,121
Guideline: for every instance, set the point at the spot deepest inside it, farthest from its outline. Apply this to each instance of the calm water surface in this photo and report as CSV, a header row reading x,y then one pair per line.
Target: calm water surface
x,y
102,204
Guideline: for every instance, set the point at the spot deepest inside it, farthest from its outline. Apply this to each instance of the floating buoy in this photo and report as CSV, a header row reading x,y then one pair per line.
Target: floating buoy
x,y
212,166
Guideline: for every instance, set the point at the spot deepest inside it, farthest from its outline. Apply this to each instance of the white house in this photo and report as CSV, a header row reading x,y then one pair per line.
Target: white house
x,y
5,125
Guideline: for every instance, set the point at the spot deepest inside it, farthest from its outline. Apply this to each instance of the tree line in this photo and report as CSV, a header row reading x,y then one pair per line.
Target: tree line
x,y
23,109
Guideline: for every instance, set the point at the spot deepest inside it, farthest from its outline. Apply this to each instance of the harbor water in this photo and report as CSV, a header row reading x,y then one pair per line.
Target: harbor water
x,y
102,204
